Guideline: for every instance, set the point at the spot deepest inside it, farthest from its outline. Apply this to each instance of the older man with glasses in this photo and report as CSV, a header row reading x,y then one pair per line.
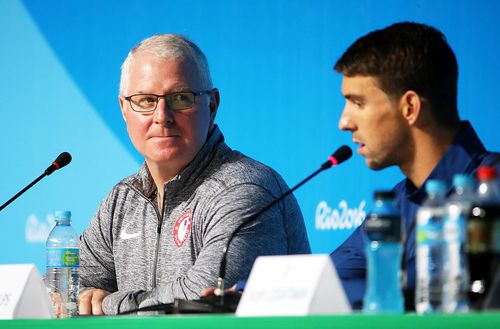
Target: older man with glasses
x,y
160,234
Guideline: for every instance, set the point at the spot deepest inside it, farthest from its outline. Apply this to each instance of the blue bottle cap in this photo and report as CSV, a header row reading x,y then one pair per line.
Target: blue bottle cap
x,y
63,214
463,180
435,186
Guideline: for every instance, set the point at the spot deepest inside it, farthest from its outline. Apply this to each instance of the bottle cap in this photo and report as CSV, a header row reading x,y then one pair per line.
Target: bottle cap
x,y
63,214
486,173
435,186
461,180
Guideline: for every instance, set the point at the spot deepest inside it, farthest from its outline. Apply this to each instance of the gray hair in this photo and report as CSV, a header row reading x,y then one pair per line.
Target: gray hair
x,y
169,46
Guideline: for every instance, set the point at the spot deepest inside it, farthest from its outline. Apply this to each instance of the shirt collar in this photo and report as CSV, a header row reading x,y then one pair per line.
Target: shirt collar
x,y
457,158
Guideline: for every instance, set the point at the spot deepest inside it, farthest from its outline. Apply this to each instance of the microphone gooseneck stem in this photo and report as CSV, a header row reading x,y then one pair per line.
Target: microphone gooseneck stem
x,y
219,290
62,160
22,191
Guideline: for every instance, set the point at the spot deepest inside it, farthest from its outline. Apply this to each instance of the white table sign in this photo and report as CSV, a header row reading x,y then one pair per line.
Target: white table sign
x,y
293,285
23,294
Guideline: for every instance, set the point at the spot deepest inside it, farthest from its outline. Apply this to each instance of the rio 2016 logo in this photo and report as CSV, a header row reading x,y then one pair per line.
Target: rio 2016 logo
x,y
341,218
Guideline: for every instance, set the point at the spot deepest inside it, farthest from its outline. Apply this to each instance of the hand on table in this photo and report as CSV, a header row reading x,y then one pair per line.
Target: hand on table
x,y
90,301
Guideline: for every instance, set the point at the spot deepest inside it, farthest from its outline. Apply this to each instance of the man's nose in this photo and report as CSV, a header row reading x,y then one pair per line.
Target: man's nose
x,y
163,114
345,122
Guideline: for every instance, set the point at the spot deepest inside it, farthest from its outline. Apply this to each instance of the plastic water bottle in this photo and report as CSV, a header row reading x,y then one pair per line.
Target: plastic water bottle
x,y
61,275
483,228
428,295
383,252
455,270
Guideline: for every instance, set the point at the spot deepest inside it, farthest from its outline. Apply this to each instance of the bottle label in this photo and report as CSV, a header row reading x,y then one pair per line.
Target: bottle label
x,y
430,234
63,257
454,229
386,228
430,226
483,228
478,231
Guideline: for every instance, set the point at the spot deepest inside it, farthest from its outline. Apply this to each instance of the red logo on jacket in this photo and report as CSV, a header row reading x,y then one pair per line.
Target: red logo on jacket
x,y
182,228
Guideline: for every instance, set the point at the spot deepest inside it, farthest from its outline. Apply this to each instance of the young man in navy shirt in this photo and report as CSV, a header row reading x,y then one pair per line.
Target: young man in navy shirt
x,y
400,87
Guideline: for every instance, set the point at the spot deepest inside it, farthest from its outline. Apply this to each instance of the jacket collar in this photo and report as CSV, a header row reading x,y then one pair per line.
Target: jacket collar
x,y
143,181
457,159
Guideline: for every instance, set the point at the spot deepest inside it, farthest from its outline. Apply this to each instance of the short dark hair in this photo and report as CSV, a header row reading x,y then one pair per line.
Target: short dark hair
x,y
408,56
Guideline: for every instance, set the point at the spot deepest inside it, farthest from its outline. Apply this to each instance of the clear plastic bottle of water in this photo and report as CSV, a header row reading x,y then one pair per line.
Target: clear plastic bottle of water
x,y
455,270
61,275
383,252
428,294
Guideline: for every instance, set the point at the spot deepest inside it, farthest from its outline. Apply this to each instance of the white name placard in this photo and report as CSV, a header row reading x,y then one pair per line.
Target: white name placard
x,y
293,285
23,294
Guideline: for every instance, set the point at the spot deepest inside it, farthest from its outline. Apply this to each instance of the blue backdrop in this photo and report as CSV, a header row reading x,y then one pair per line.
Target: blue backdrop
x,y
280,99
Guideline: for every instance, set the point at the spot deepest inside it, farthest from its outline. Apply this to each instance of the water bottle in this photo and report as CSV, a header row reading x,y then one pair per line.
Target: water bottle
x,y
383,252
429,227
61,275
483,247
455,272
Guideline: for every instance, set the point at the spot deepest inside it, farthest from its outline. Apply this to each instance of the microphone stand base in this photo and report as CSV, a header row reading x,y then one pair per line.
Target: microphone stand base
x,y
211,304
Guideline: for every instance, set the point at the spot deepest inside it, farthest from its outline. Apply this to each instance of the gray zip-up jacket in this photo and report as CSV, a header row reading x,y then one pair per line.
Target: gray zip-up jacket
x,y
145,257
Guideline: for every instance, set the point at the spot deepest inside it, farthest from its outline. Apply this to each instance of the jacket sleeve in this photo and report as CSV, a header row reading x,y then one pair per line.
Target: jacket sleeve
x,y
266,235
350,264
97,269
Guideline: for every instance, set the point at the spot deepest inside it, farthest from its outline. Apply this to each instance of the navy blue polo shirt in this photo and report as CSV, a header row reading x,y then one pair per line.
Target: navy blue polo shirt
x,y
464,156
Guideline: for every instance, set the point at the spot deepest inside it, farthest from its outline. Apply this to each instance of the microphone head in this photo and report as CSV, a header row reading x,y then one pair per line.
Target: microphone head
x,y
342,154
62,160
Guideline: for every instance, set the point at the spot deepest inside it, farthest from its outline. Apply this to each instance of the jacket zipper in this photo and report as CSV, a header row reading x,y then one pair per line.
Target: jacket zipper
x,y
157,248
158,231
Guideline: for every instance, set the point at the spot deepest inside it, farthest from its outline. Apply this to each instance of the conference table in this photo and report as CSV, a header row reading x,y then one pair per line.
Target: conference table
x,y
353,321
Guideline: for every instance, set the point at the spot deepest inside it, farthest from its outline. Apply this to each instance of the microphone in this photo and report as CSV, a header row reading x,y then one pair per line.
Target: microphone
x,y
216,304
62,160
342,154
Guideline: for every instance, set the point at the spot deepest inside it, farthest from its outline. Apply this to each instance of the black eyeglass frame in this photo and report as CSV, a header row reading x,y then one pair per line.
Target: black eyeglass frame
x,y
164,96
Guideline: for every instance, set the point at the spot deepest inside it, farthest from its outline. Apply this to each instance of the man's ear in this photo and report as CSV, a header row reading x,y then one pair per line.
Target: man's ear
x,y
411,106
214,103
122,102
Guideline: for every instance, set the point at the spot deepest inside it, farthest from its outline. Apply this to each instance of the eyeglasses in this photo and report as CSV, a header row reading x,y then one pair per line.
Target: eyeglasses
x,y
145,103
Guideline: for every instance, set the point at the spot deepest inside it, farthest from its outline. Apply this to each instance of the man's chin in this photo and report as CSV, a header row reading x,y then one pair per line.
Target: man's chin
x,y
374,165
164,158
